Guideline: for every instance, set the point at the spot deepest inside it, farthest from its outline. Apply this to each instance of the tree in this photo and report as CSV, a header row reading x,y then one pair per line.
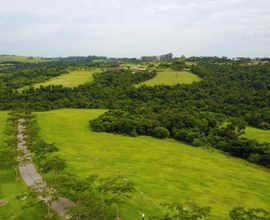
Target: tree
x,y
55,164
41,192
41,148
186,211
74,187
239,213
8,159
118,190
91,207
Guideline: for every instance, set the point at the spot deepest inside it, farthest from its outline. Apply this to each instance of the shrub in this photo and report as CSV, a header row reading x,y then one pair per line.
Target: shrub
x,y
161,132
197,142
240,213
188,211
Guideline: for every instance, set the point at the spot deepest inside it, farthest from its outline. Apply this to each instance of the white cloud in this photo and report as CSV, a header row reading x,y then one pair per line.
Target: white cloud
x,y
135,27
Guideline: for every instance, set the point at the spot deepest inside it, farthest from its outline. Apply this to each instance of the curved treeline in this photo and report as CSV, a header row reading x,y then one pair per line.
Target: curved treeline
x,y
196,128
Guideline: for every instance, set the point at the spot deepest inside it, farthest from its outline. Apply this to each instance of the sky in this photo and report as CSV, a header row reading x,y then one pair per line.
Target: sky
x,y
132,28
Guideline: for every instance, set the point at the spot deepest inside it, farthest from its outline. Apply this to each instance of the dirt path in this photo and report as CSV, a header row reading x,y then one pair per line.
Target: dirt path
x,y
31,176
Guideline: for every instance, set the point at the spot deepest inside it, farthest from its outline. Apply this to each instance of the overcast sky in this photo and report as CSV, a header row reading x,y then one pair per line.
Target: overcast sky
x,y
135,27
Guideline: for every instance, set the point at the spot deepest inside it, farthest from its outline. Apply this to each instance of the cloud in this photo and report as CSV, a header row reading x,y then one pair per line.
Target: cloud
x,y
135,27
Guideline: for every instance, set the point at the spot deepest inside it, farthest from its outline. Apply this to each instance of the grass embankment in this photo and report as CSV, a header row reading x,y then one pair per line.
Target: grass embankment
x,y
171,77
10,188
258,134
163,170
72,79
23,59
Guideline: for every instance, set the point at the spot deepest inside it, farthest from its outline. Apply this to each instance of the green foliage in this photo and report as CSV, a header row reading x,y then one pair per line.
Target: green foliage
x,y
197,142
41,193
55,164
186,211
40,148
259,119
10,187
23,74
198,114
196,128
240,213
118,189
8,158
92,209
94,196
74,187
201,71
178,65
161,132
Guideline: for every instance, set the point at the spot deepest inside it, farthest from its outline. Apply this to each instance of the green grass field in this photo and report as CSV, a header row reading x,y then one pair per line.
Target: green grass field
x,y
23,59
72,79
163,170
171,77
258,134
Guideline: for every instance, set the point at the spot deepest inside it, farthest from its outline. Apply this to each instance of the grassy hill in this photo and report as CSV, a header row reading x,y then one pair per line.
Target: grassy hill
x,y
171,77
72,79
163,170
10,188
23,59
258,134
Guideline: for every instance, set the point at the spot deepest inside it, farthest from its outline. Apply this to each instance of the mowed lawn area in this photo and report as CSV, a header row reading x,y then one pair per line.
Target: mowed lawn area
x,y
10,188
72,79
23,59
258,134
171,77
162,170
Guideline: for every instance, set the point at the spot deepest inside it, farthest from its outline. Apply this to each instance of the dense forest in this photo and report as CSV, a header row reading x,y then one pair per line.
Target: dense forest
x,y
214,111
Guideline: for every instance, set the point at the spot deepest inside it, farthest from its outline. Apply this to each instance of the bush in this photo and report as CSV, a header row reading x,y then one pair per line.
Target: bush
x,y
161,132
197,142
254,158
188,211
133,133
240,213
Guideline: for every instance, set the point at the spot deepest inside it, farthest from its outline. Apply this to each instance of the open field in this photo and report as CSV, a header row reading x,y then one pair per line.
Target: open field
x,y
171,77
10,188
23,59
163,170
258,134
72,79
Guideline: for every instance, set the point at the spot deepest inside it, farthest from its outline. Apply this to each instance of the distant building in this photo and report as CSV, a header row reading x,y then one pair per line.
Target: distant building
x,y
157,58
168,56
149,58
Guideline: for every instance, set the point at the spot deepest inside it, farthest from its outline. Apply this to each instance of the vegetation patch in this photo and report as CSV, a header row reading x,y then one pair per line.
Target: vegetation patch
x,y
10,186
258,134
171,77
23,59
71,79
162,170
